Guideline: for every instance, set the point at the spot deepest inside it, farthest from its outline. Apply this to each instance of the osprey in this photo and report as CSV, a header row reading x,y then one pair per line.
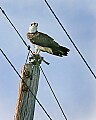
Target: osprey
x,y
43,42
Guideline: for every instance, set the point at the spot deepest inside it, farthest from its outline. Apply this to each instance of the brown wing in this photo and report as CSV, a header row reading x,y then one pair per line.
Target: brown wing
x,y
42,39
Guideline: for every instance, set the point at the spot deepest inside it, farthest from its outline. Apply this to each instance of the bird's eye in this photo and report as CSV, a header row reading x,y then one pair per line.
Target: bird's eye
x,y
33,23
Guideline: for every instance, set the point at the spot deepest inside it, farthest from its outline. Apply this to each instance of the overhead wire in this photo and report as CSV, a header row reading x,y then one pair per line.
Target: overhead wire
x,y
27,59
54,94
70,39
14,27
25,83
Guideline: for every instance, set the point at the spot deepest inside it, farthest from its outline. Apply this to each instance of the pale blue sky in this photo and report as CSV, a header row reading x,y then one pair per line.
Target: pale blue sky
x,y
72,82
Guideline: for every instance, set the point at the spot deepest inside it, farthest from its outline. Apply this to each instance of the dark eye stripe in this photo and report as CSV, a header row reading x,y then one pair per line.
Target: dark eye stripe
x,y
33,23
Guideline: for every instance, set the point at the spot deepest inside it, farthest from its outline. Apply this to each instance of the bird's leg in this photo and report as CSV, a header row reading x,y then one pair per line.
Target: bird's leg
x,y
37,51
34,52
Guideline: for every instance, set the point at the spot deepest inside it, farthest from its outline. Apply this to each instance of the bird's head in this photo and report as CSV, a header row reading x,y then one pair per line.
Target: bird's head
x,y
33,27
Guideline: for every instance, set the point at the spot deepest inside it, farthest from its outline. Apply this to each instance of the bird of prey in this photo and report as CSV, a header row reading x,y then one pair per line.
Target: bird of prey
x,y
43,42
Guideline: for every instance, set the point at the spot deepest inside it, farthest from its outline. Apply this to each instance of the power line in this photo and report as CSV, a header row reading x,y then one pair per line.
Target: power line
x,y
70,39
13,27
25,83
53,94
40,66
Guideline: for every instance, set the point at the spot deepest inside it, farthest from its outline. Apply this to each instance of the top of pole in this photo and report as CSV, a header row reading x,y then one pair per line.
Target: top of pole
x,y
37,59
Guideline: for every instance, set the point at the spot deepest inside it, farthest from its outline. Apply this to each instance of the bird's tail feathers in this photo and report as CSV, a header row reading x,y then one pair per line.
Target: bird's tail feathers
x,y
63,50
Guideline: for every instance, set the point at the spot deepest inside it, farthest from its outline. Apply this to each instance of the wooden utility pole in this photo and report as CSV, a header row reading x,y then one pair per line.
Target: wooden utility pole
x,y
26,101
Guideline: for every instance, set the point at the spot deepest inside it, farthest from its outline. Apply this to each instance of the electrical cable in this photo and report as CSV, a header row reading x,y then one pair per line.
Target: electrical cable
x,y
25,84
13,27
70,39
53,94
